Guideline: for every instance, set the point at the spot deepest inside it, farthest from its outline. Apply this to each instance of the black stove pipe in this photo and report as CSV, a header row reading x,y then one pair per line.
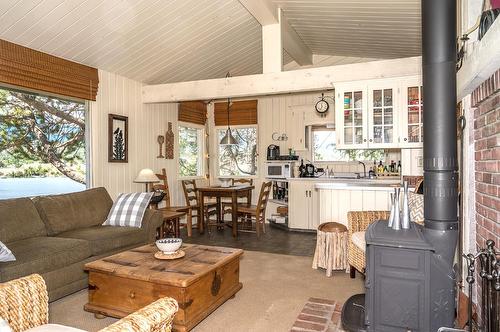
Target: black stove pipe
x,y
440,126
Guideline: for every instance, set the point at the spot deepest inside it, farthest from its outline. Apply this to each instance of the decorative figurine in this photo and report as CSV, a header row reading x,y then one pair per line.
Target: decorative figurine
x,y
169,144
160,141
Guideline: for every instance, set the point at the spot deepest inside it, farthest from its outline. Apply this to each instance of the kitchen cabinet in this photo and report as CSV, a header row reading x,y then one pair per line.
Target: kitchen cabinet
x,y
383,130
351,116
411,128
385,113
303,205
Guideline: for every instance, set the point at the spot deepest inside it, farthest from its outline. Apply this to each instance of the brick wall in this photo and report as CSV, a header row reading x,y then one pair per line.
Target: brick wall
x,y
486,99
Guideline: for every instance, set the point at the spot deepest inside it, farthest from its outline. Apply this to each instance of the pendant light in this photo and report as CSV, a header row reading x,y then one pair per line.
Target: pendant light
x,y
228,139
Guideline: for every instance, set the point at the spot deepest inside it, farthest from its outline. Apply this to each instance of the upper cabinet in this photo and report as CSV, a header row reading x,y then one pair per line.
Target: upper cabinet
x,y
351,117
379,114
411,129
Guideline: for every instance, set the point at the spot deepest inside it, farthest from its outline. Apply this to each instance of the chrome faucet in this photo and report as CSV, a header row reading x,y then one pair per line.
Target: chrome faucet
x,y
364,169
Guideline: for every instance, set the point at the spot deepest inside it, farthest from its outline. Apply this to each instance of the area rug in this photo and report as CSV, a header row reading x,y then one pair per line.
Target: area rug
x,y
275,288
319,315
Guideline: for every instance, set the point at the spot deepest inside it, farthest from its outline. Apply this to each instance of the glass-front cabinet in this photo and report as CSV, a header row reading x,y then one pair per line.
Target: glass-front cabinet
x,y
382,112
411,129
351,117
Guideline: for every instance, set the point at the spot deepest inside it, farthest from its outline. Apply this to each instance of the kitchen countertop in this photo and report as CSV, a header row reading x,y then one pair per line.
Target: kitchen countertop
x,y
326,183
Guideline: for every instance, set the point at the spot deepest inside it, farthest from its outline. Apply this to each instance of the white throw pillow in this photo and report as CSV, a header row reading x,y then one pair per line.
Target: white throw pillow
x,y
4,326
128,210
5,254
358,238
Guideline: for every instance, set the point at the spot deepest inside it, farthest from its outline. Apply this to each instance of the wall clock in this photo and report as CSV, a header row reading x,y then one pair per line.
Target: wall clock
x,y
322,106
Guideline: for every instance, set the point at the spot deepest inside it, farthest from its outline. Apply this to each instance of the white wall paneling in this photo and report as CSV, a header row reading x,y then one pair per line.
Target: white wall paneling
x,y
119,95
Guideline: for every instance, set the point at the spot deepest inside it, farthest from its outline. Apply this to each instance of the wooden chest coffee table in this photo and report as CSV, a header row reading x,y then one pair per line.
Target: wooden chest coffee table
x,y
200,282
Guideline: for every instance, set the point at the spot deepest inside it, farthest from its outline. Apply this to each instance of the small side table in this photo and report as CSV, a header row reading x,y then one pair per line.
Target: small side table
x,y
171,224
331,248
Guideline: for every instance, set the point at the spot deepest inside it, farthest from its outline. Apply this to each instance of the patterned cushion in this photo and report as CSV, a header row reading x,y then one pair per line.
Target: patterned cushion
x,y
128,210
416,204
5,254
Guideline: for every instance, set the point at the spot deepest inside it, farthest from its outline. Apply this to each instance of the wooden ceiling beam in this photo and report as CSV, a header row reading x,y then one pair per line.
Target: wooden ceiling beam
x,y
294,81
268,16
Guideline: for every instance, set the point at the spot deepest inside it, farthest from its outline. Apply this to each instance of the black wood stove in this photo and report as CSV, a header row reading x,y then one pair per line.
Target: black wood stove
x,y
410,282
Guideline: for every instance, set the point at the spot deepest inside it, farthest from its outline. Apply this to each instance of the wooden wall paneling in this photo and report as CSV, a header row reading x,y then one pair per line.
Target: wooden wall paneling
x,y
123,96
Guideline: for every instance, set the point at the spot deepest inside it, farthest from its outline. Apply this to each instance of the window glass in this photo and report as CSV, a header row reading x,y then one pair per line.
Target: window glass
x,y
325,150
190,151
42,145
240,159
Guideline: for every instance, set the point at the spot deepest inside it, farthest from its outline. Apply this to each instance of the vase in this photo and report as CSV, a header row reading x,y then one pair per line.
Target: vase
x,y
391,216
396,224
405,218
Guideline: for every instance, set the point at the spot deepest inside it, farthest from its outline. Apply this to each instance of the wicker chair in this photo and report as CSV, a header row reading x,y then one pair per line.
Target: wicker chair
x,y
24,305
358,221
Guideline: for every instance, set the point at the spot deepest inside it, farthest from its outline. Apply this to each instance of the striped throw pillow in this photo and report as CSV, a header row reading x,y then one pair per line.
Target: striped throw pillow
x,y
5,254
128,210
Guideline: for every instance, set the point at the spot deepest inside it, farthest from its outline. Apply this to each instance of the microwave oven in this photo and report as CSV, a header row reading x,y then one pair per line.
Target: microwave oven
x,y
279,169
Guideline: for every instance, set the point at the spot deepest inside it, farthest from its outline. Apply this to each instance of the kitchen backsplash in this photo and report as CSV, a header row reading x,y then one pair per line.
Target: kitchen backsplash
x,y
354,166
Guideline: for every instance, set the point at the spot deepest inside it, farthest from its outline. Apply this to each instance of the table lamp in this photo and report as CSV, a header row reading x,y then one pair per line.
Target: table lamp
x,y
146,176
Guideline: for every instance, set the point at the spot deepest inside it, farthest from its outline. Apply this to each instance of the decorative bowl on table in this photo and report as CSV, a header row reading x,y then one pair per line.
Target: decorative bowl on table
x,y
169,245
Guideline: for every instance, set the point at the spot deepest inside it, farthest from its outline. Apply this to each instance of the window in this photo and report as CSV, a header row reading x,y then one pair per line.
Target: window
x,y
42,145
190,150
324,148
241,159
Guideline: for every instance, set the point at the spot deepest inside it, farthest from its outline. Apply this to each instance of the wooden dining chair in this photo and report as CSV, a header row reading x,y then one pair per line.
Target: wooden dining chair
x,y
163,186
249,214
227,204
193,201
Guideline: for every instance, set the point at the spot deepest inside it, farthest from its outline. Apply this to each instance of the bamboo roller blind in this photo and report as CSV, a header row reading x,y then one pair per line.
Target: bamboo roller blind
x,y
241,113
193,112
27,68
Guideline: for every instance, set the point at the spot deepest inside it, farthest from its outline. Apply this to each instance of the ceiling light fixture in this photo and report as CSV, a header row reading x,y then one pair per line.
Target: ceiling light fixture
x,y
228,139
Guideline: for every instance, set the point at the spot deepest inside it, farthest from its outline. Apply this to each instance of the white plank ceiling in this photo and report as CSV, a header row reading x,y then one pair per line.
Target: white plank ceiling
x,y
162,41
356,28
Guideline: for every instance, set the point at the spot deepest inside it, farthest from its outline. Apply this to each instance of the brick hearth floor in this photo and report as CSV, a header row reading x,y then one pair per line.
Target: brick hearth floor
x,y
319,315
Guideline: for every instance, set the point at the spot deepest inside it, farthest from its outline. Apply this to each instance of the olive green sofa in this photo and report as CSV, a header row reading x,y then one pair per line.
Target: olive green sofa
x,y
56,235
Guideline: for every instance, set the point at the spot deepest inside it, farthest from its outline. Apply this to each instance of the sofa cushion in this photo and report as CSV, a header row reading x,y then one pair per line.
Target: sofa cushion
x,y
43,254
62,213
358,238
54,328
19,220
103,239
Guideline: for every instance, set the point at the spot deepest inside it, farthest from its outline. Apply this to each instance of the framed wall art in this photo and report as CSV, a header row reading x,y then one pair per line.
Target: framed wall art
x,y
117,138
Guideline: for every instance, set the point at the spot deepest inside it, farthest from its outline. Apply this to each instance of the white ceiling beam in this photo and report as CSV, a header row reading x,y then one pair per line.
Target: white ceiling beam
x,y
266,14
481,63
272,48
294,81
262,10
293,44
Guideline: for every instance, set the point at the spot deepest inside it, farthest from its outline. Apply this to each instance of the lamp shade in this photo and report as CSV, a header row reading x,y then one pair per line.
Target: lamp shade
x,y
228,139
146,175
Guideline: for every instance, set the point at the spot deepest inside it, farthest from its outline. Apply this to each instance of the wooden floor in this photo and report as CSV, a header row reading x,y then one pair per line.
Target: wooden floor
x,y
275,241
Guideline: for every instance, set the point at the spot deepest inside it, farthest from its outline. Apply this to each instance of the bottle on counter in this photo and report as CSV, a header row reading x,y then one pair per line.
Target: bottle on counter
x,y
302,168
399,167
392,166
380,169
